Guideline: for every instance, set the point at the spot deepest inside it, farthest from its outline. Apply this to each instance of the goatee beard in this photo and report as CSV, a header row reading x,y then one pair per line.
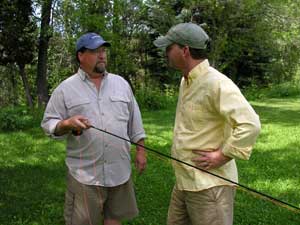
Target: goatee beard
x,y
99,69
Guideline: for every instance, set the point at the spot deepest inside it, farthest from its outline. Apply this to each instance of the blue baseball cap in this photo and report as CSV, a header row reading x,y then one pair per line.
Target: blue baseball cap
x,y
91,41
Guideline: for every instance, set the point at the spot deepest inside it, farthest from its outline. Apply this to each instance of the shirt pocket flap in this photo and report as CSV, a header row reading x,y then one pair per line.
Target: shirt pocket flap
x,y
81,101
119,98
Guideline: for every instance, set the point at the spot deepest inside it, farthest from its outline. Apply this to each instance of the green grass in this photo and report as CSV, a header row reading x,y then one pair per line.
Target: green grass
x,y
32,172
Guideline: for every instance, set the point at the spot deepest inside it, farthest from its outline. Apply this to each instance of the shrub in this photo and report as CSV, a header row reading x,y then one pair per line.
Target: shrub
x,y
18,118
152,98
287,89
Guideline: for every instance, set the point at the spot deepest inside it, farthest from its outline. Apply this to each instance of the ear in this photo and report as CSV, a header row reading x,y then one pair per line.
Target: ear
x,y
186,51
79,56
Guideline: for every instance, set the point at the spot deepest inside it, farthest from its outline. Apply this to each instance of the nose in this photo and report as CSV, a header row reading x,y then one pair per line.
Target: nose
x,y
101,55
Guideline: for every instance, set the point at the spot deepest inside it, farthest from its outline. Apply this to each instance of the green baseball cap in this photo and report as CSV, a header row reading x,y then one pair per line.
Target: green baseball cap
x,y
189,34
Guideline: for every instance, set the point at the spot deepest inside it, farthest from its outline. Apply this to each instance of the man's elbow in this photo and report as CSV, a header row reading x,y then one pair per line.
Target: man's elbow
x,y
255,128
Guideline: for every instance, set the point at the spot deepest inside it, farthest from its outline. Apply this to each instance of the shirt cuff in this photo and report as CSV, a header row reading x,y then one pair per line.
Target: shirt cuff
x,y
138,137
236,152
51,130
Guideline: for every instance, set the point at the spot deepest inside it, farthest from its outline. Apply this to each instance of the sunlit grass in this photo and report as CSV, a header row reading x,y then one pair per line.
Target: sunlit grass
x,y
32,172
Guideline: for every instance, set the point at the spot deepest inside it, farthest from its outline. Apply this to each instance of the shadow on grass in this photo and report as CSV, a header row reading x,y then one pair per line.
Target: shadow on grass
x,y
275,172
250,210
32,194
277,115
32,179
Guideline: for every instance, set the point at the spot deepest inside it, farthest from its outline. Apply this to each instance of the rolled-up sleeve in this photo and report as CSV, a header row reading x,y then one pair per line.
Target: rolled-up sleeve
x,y
136,131
54,113
242,119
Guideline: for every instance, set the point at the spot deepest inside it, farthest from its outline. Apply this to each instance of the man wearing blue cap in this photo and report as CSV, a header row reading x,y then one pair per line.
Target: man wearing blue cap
x,y
214,125
99,185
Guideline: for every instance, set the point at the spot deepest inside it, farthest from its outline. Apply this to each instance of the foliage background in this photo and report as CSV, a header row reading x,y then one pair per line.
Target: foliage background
x,y
256,43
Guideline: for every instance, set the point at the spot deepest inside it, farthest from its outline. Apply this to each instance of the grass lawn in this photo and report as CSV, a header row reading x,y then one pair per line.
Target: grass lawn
x,y
32,172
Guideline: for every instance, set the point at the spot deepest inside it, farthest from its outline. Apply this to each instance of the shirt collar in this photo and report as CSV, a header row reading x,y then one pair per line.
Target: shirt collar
x,y
83,75
198,70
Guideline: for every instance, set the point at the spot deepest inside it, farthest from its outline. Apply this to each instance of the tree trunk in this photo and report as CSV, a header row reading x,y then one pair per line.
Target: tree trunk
x,y
26,85
14,86
42,86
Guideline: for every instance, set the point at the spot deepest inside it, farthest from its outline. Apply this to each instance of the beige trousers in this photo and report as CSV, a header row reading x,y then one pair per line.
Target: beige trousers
x,y
213,206
89,204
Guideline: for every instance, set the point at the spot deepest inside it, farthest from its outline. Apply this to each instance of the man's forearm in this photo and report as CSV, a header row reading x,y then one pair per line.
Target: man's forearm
x,y
62,128
140,144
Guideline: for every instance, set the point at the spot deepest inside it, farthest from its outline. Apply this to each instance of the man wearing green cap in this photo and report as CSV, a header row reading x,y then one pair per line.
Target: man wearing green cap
x,y
214,125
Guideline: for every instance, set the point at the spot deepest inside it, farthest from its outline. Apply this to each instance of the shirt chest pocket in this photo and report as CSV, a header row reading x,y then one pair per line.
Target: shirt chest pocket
x,y
120,107
80,106
194,116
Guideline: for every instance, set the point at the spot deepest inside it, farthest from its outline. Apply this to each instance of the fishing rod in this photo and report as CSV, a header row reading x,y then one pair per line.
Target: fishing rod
x,y
243,187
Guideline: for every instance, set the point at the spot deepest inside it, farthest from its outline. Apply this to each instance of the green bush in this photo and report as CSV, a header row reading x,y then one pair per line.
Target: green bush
x,y
253,92
18,118
287,89
152,98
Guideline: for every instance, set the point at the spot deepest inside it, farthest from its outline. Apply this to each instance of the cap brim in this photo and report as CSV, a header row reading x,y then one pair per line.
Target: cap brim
x,y
162,42
97,44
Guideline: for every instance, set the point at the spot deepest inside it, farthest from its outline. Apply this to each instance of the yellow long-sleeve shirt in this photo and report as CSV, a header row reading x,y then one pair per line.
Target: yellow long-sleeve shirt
x,y
211,113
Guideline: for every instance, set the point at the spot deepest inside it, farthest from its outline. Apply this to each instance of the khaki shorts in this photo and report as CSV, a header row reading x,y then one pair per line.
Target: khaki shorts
x,y
213,206
89,204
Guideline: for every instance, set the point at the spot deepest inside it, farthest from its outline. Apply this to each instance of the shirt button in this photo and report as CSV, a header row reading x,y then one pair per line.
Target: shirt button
x,y
102,114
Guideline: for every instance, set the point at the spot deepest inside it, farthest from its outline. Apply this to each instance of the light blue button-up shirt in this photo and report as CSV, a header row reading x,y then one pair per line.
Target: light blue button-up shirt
x,y
96,158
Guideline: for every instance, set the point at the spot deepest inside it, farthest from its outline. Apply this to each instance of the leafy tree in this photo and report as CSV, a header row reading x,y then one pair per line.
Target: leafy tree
x,y
158,18
248,41
117,21
45,34
252,41
249,38
283,19
17,38
239,38
8,85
